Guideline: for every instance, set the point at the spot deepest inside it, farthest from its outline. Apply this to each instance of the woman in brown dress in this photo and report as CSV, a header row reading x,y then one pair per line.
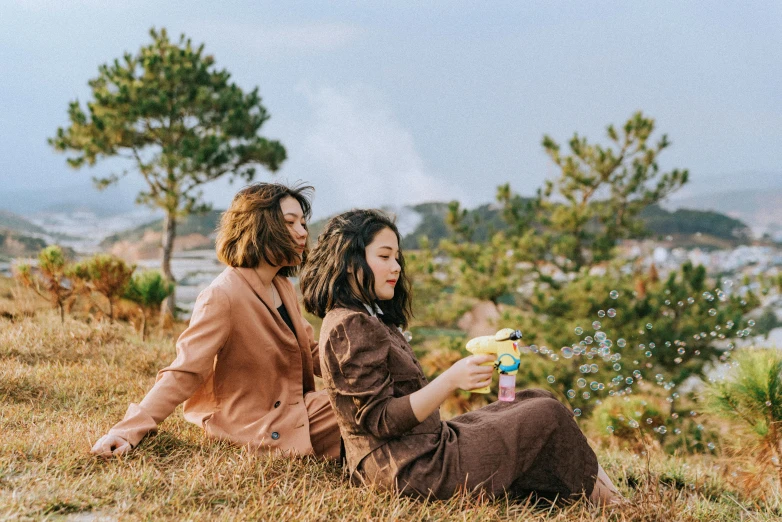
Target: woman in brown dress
x,y
245,364
389,414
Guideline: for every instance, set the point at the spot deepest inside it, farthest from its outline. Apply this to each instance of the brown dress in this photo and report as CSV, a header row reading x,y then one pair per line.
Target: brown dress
x,y
530,445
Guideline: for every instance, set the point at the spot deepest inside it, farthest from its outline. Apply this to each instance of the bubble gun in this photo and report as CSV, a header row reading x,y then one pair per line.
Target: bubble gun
x,y
503,344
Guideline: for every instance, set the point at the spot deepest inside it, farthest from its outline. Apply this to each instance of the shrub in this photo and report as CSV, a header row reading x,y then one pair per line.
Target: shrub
x,y
148,289
752,394
108,275
53,280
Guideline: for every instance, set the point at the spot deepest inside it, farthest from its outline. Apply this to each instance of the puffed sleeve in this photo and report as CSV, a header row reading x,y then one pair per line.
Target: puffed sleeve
x,y
357,359
313,347
197,347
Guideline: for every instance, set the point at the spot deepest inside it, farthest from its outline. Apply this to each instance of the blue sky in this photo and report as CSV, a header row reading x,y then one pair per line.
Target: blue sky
x,y
394,102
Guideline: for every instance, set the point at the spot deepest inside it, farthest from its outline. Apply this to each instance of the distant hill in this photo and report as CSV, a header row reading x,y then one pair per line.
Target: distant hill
x,y
683,227
203,224
662,222
712,228
16,223
19,237
15,245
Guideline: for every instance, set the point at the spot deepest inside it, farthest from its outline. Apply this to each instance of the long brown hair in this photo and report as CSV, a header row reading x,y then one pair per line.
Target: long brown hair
x,y
339,258
254,229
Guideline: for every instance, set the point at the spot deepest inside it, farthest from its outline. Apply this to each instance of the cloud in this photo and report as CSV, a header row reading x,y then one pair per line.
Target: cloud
x,y
359,155
280,40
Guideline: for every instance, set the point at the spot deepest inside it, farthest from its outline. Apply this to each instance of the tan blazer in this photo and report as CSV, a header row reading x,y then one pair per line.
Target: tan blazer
x,y
239,369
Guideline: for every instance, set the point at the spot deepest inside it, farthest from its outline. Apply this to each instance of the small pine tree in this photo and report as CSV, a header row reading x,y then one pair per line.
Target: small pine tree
x,y
148,289
52,280
108,275
752,394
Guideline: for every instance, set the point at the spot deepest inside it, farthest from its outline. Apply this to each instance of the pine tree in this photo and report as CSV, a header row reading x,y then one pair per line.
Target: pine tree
x,y
179,121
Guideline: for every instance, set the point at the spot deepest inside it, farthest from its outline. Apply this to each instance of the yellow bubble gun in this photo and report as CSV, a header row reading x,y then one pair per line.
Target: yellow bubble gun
x,y
504,345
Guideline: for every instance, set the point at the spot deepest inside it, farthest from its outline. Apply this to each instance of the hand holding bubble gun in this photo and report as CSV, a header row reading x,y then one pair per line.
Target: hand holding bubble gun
x,y
503,345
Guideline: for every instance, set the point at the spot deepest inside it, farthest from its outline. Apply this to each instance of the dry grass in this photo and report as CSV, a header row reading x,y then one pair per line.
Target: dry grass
x,y
61,387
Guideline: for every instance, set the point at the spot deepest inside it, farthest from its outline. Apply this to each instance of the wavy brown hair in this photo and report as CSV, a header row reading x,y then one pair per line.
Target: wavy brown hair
x,y
253,228
339,259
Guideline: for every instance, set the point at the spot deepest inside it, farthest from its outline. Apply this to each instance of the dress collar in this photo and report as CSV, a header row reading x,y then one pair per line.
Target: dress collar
x,y
374,310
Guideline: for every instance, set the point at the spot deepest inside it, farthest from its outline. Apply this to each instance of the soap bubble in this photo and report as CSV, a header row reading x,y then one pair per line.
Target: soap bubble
x,y
588,339
571,394
648,326
408,335
691,300
662,430
550,379
577,412
594,385
567,352
621,343
711,445
601,313
751,322
611,312
613,294
581,382
596,325
579,330
600,337
712,312
633,423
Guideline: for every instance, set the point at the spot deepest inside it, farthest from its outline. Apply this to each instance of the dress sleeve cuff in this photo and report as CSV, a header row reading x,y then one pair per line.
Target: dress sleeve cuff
x,y
135,425
401,416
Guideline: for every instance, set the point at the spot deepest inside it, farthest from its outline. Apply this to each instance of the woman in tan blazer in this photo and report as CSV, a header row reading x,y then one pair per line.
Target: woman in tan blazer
x,y
245,364
388,411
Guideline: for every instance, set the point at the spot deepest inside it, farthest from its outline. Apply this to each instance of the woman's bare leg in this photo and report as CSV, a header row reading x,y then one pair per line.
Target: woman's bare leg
x,y
604,491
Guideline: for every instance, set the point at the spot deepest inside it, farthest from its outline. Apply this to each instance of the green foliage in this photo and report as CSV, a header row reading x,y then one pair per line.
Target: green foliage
x,y
148,289
178,119
752,394
52,280
626,417
767,322
107,275
597,198
670,330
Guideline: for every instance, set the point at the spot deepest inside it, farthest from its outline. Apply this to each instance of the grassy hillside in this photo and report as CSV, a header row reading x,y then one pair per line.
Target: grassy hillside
x,y
62,387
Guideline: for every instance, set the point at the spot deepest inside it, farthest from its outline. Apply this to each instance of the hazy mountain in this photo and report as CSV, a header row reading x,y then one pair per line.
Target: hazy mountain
x,y
78,197
14,222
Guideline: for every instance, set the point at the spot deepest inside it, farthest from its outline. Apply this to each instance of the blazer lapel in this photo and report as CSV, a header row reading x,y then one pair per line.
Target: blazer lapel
x,y
292,306
254,282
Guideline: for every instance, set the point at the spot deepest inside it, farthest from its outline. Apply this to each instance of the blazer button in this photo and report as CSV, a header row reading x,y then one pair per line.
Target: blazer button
x,y
277,404
275,435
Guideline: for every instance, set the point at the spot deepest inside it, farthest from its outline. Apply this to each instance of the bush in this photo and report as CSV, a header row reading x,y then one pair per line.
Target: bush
x,y
752,394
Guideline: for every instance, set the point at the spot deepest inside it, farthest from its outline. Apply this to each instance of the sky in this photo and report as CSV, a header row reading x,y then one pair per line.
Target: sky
x,y
393,103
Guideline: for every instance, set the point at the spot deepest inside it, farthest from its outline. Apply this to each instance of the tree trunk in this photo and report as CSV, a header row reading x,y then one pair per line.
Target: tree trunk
x,y
168,310
62,312
143,324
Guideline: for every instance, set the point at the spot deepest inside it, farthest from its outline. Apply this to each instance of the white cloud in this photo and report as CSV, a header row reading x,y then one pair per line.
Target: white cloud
x,y
357,154
279,40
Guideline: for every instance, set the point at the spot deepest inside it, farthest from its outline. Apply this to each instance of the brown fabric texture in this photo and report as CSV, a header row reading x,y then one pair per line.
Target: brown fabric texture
x,y
242,374
530,445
